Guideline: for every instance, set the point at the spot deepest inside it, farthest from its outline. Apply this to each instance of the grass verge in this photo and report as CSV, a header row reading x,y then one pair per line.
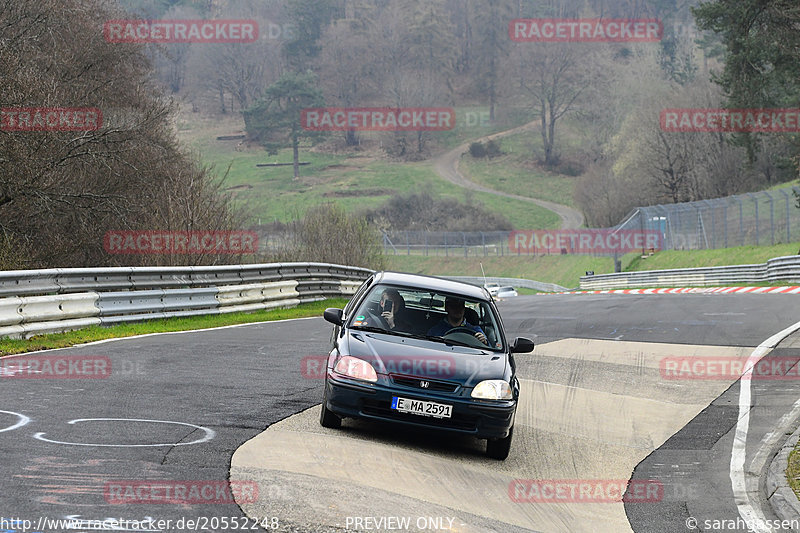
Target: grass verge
x,y
793,470
96,333
566,270
741,255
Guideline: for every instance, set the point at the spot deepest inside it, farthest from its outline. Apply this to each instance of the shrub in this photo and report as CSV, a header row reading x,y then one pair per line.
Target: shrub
x,y
493,150
477,150
422,212
327,234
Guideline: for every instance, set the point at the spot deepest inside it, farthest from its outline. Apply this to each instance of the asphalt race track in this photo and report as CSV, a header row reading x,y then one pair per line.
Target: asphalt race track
x,y
197,408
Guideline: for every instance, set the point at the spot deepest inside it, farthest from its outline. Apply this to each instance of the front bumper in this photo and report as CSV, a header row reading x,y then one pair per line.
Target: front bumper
x,y
484,420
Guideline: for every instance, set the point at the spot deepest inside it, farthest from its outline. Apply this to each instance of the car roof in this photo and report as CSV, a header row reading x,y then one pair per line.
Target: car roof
x,y
432,282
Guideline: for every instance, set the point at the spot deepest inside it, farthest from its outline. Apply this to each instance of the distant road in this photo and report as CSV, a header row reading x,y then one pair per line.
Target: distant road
x,y
446,165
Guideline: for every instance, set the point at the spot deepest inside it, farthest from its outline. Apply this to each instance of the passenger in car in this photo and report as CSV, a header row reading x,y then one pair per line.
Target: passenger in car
x,y
395,312
455,319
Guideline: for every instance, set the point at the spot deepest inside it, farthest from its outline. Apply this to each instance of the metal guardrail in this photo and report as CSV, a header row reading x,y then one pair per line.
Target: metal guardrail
x,y
65,280
34,302
514,282
777,269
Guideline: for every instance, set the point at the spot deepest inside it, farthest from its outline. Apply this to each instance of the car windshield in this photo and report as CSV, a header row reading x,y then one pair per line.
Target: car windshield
x,y
425,313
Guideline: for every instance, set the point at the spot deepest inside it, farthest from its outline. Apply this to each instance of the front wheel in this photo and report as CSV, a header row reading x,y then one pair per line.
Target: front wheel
x,y
327,418
499,448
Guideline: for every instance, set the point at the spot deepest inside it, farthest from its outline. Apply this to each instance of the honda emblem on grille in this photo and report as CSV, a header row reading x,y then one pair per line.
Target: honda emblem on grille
x,y
424,384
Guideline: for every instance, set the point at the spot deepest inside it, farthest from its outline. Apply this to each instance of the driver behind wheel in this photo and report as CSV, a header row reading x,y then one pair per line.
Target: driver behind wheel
x,y
455,319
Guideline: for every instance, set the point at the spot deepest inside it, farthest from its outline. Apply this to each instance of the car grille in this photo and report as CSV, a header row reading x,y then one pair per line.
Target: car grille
x,y
383,410
438,386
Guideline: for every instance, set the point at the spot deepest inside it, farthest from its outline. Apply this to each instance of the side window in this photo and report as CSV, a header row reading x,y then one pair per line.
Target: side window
x,y
490,327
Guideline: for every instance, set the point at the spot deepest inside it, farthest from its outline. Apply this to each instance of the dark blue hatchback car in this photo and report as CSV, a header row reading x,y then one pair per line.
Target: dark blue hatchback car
x,y
427,352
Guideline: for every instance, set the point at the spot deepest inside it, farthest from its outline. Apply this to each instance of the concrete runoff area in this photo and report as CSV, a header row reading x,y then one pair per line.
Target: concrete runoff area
x,y
590,410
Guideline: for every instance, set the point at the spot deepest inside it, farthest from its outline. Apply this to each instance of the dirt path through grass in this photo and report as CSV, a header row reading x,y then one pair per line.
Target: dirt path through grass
x,y
446,165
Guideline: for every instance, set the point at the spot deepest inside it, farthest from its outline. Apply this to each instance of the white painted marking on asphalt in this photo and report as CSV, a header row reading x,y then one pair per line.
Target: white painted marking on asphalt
x,y
748,510
210,433
21,422
786,422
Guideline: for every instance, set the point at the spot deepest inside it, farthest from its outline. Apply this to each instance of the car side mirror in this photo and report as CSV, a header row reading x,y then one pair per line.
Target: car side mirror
x,y
522,345
333,315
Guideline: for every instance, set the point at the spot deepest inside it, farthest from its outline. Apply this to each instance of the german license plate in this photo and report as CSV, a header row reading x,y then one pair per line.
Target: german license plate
x,y
419,407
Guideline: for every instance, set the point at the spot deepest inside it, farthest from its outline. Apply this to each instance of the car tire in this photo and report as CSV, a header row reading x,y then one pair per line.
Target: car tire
x,y
499,448
327,418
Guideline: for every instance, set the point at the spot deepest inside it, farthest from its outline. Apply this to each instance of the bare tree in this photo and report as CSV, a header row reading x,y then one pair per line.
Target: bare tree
x,y
239,70
491,28
344,70
553,76
60,191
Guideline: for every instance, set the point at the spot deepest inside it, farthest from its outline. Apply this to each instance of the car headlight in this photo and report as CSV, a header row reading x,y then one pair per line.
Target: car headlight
x,y
356,368
493,389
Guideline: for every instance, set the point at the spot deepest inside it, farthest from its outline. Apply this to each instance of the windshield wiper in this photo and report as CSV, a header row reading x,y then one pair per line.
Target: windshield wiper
x,y
446,341
371,329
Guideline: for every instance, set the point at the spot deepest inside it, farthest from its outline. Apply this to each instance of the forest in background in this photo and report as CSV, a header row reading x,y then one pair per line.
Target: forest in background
x,y
458,52
60,192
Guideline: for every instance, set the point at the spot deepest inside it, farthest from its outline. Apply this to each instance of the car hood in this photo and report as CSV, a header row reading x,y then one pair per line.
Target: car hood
x,y
391,354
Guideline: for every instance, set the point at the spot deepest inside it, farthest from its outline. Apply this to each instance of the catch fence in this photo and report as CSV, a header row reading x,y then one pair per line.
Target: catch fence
x,y
762,218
